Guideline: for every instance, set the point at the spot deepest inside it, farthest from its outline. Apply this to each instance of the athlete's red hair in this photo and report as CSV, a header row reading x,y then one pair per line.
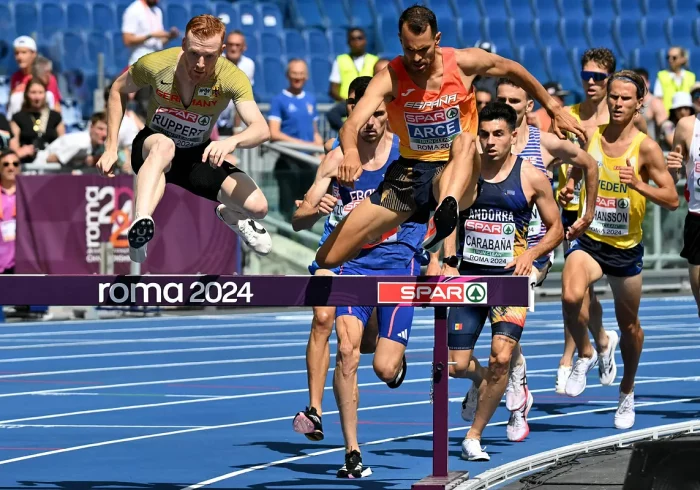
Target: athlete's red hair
x,y
205,27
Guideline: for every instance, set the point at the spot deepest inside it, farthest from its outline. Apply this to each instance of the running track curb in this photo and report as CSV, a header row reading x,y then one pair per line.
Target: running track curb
x,y
503,473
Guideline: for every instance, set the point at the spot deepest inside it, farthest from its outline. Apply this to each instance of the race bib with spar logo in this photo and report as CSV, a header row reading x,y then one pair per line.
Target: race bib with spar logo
x,y
185,128
488,243
696,180
433,130
612,216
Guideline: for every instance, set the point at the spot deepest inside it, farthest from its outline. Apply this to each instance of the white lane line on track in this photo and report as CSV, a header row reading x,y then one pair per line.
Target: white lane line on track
x,y
480,346
278,419
93,426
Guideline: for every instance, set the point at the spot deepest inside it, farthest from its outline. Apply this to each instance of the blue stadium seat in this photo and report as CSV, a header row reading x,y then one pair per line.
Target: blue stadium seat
x,y
495,10
320,70
631,10
572,32
121,6
695,59
684,8
273,70
271,44
335,14
679,31
442,10
386,8
651,59
627,35
450,29
27,19
337,41
249,18
653,32
657,8
7,25
252,41
121,52
602,8
519,9
295,44
387,36
176,14
200,8
78,15
546,9
464,9
74,52
599,32
306,13
523,32
317,43
272,19
531,58
361,14
53,19
470,30
228,12
104,17
546,32
497,30
557,64
98,42
573,8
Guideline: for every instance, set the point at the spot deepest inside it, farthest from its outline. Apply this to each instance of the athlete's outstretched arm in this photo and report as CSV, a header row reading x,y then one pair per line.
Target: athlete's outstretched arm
x,y
652,159
476,61
308,212
257,130
570,153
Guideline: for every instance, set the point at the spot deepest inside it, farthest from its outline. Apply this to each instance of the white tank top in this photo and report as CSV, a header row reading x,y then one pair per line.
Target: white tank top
x,y
692,169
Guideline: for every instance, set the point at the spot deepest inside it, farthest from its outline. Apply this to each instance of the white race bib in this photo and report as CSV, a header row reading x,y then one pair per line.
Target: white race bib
x,y
434,130
577,193
611,217
535,225
185,128
8,229
488,243
696,180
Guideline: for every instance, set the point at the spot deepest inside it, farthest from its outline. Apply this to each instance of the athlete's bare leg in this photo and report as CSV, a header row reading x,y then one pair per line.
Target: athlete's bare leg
x,y
365,224
581,271
349,330
158,154
627,294
694,274
242,197
461,174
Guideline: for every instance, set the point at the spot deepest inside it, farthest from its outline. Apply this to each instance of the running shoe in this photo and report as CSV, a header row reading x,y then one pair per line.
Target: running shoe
x,y
252,233
140,233
442,224
400,376
563,374
518,429
353,466
472,450
607,369
624,416
516,390
469,403
309,423
577,381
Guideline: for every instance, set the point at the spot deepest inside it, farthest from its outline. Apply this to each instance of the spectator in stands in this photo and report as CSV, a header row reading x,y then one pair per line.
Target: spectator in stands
x,y
681,106
9,169
483,97
36,125
540,118
26,57
229,122
489,84
345,69
293,118
130,127
676,78
380,65
142,29
695,94
81,148
653,109
5,132
42,70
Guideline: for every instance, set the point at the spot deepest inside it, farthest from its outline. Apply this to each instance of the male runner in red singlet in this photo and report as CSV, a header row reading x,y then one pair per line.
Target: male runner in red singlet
x,y
432,108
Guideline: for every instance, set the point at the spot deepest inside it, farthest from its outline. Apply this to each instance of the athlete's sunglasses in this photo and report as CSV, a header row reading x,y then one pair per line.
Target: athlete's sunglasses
x,y
595,75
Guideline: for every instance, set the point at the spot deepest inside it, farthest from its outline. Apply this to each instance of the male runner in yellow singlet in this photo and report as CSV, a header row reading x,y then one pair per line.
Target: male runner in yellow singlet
x,y
597,65
612,245
432,108
190,85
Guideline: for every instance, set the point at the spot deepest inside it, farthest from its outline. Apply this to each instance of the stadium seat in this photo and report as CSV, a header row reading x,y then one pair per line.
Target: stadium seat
x,y
249,18
121,6
385,8
272,19
361,14
685,8
177,14
74,53
273,70
627,35
653,32
320,69
104,17
497,30
660,9
519,9
695,59
121,52
228,14
523,32
98,42
573,9
572,32
7,25
338,41
26,19
271,44
306,14
295,44
317,43
53,19
335,14
679,31
450,29
546,9
465,10
603,8
470,30
546,32
651,59
631,10
531,58
599,32
200,8
556,63
387,36
442,10
252,41
78,16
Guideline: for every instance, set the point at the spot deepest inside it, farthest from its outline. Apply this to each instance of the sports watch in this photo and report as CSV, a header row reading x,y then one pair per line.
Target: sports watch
x,y
452,261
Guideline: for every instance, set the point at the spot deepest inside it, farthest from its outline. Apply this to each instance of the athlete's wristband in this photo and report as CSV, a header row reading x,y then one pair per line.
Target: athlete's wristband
x,y
452,261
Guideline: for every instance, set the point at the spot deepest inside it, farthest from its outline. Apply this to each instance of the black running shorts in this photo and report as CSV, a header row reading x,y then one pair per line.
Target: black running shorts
x,y
691,239
613,261
187,170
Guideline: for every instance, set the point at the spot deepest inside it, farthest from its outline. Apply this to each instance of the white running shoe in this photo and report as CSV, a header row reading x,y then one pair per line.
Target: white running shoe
x,y
577,381
516,390
472,450
469,403
563,374
253,234
624,416
518,429
140,233
607,369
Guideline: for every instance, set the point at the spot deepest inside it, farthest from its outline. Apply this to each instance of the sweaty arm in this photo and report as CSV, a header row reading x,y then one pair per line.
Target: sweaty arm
x,y
652,159
307,214
257,131
549,211
377,91
682,138
568,152
116,104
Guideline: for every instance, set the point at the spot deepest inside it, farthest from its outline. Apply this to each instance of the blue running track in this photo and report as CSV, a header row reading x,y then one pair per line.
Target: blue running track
x,y
171,402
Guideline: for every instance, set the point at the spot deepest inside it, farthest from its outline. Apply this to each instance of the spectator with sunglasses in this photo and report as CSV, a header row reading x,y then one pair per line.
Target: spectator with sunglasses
x,y
9,169
676,78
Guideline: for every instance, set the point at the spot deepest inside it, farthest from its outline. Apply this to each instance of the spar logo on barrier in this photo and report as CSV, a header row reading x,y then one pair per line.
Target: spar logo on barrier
x,y
108,215
432,293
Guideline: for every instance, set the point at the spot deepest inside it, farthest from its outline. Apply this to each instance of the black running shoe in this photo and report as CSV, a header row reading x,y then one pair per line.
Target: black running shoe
x,y
140,233
309,423
443,222
353,465
396,382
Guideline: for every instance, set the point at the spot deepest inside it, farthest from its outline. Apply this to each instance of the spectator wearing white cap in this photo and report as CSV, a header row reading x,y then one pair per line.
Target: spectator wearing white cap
x,y
681,106
142,29
25,56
